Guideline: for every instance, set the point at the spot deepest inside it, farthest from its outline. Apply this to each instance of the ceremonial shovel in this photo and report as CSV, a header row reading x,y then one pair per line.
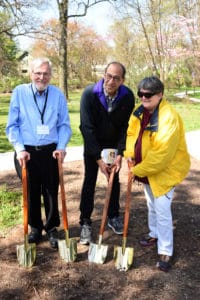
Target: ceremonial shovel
x,y
68,247
97,252
123,256
26,253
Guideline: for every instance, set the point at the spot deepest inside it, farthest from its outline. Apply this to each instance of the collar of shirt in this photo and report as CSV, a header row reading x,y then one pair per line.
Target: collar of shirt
x,y
109,98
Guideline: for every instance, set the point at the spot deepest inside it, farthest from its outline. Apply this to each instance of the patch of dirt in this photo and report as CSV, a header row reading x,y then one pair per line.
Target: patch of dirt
x,y
53,279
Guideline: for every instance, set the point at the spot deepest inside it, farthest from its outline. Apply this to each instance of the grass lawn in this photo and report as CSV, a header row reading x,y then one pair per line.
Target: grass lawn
x,y
189,112
10,209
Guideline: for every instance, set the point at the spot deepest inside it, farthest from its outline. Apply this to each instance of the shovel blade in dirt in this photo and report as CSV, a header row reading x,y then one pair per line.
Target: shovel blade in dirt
x,y
26,254
97,253
123,258
68,249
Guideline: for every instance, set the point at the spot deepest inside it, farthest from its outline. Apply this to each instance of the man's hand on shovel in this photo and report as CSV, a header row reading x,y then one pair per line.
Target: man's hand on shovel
x,y
105,168
117,163
59,154
22,157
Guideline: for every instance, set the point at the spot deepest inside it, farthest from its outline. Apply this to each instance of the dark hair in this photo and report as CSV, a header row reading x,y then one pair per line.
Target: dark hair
x,y
120,65
152,84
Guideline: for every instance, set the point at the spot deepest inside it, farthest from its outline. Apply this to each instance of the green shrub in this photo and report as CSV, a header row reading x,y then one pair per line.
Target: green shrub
x,y
10,209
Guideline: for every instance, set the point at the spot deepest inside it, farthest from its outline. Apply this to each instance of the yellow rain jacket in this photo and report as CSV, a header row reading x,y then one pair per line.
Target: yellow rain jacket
x,y
165,159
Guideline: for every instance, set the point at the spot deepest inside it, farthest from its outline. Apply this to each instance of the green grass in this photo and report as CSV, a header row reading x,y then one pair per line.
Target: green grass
x,y
10,209
190,114
195,95
74,108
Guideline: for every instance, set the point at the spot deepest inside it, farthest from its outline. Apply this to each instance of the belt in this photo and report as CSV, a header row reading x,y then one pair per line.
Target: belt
x,y
40,148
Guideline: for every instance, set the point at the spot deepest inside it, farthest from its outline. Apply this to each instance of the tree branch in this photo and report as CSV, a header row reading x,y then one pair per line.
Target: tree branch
x,y
86,6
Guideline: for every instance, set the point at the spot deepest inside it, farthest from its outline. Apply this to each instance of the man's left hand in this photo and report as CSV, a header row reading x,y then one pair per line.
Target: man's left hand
x,y
118,163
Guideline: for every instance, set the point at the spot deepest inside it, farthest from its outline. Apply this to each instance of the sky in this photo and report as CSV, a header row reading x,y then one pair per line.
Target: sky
x,y
99,17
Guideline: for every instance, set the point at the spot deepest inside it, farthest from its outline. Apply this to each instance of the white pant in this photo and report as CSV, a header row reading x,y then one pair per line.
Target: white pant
x,y
160,219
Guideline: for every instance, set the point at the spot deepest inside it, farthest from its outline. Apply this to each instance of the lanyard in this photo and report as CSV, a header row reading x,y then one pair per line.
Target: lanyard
x,y
45,104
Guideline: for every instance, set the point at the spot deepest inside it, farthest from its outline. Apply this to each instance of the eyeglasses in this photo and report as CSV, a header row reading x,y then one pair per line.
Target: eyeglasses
x,y
116,78
38,74
146,95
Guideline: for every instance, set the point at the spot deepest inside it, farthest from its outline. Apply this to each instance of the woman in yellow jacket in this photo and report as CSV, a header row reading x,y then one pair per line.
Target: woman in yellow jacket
x,y
156,143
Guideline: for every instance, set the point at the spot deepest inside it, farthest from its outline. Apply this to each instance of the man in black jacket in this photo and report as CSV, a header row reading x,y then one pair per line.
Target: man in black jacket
x,y
105,110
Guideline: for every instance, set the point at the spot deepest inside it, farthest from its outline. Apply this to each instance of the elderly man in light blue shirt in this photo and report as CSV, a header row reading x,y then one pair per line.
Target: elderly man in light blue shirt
x,y
39,129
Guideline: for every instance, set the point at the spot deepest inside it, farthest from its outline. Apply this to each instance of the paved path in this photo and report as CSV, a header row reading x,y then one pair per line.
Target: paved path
x,y
193,143
184,95
7,161
76,153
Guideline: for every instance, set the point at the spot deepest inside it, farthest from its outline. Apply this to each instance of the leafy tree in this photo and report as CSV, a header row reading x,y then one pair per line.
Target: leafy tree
x,y
8,51
79,9
24,16
26,21
85,48
167,35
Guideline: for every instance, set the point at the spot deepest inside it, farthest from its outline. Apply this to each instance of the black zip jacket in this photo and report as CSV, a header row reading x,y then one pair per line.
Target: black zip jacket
x,y
102,129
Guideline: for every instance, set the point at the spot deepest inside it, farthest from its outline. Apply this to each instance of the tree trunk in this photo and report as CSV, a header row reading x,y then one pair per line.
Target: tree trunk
x,y
63,69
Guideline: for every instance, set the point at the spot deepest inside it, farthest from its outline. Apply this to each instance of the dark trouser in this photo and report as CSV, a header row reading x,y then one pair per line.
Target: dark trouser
x,y
43,179
88,189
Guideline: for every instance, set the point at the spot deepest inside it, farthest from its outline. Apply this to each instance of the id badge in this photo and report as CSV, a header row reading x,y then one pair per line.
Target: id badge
x,y
42,129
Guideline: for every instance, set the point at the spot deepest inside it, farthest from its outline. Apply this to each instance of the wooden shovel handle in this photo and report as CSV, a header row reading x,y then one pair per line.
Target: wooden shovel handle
x,y
25,196
62,191
107,200
128,201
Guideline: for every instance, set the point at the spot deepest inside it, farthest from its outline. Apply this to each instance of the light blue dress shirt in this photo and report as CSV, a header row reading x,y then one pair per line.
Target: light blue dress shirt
x,y
25,116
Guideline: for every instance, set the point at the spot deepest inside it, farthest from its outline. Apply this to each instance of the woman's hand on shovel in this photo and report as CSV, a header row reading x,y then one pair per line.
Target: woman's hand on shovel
x,y
131,163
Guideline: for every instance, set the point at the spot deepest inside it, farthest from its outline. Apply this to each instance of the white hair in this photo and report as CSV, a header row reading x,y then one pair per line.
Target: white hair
x,y
37,62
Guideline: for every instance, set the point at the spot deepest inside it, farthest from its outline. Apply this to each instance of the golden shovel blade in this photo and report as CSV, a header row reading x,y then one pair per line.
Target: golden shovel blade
x,y
123,258
68,249
26,254
97,253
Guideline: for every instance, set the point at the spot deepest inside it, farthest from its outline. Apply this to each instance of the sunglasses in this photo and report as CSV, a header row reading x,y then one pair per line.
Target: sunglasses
x,y
146,95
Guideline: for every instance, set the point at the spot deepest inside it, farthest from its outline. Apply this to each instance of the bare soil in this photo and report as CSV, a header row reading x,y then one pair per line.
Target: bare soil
x,y
53,279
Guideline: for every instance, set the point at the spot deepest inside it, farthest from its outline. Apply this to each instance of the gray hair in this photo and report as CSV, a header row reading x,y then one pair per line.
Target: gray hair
x,y
152,84
118,64
37,62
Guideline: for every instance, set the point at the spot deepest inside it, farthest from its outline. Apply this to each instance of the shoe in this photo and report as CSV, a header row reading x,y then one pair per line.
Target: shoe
x,y
116,225
34,236
53,238
164,263
85,236
147,241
